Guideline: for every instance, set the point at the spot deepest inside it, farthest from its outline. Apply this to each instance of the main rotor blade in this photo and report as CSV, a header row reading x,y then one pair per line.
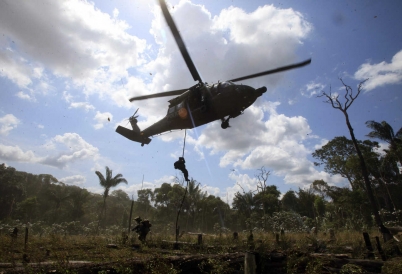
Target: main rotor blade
x,y
180,42
160,94
298,65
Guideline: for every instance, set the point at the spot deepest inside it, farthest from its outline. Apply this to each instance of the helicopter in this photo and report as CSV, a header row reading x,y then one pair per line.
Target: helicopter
x,y
202,103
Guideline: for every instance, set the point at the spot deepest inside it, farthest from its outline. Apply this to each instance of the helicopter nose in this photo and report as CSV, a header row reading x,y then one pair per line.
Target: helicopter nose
x,y
261,90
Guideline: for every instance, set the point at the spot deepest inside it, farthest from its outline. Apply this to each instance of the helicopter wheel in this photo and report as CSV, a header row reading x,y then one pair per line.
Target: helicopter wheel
x,y
225,124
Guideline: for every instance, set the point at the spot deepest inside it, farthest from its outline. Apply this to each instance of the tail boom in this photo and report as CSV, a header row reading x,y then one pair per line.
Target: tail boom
x,y
133,135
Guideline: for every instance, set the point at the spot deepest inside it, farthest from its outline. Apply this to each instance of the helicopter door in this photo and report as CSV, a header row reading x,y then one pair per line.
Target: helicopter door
x,y
182,111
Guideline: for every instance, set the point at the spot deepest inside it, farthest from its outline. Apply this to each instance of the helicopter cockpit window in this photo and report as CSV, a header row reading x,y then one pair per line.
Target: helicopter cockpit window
x,y
171,109
214,88
226,84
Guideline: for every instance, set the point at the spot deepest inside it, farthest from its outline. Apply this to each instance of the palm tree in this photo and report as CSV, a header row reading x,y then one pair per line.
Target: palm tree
x,y
385,132
108,183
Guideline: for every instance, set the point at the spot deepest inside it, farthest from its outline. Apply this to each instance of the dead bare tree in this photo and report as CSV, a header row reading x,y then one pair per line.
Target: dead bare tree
x,y
350,97
262,178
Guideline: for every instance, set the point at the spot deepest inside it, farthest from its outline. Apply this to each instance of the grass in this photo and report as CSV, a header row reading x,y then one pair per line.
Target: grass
x,y
63,249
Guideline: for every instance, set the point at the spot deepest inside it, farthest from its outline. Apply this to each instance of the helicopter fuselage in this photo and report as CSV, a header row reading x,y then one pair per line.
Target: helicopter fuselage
x,y
187,111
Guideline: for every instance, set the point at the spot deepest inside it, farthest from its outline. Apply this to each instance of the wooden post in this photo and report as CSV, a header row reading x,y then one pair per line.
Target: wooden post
x,y
332,234
370,253
26,238
250,266
131,214
277,237
379,248
199,239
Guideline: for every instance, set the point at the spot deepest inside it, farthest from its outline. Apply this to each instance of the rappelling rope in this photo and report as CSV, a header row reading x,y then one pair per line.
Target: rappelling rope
x,y
184,142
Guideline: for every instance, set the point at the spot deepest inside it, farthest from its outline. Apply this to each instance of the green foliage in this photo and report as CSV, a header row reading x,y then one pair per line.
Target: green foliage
x,y
392,267
296,263
160,266
315,266
351,269
215,266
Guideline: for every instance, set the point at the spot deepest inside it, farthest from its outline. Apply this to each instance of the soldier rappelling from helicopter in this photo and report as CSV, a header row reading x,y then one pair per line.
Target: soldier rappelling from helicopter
x,y
181,165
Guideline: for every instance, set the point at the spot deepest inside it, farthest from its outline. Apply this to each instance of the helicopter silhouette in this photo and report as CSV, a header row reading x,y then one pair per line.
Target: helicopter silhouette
x,y
202,103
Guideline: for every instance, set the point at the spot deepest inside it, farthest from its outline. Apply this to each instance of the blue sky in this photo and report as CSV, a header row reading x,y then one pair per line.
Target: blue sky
x,y
68,66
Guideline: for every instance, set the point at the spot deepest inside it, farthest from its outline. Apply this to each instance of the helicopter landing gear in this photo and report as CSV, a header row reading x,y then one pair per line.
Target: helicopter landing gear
x,y
225,123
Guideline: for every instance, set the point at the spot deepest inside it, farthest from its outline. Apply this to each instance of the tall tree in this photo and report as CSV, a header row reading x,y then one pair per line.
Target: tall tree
x,y
107,183
343,107
335,156
385,132
10,189
290,201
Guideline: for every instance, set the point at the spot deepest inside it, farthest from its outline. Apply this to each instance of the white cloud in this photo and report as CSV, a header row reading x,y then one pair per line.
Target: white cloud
x,y
25,96
102,118
77,150
381,74
311,89
276,144
84,105
92,48
16,154
382,149
165,179
322,143
242,183
77,180
7,123
17,70
67,96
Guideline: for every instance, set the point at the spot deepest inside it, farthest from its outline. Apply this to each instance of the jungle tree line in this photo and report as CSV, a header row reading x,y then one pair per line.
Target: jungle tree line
x,y
32,198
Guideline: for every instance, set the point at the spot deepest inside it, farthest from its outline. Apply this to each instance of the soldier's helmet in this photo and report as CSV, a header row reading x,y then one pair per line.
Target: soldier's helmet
x,y
138,219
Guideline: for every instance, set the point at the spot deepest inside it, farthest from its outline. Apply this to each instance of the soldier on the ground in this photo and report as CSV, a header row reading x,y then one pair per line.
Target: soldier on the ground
x,y
142,228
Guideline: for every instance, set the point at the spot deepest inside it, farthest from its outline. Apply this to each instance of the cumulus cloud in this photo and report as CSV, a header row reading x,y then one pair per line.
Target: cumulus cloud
x,y
77,149
77,180
16,154
7,123
83,44
381,74
243,182
68,148
25,96
102,118
67,96
65,150
311,89
83,105
17,69
276,143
